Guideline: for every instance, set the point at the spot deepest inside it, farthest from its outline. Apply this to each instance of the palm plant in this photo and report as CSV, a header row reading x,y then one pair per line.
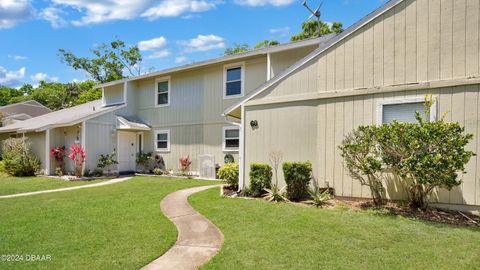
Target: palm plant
x,y
275,193
319,198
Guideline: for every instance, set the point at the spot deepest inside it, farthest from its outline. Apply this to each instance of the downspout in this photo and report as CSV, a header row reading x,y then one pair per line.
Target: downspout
x,y
241,150
47,152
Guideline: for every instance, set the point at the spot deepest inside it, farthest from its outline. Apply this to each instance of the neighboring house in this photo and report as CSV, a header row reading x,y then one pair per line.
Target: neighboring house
x,y
172,113
20,111
376,71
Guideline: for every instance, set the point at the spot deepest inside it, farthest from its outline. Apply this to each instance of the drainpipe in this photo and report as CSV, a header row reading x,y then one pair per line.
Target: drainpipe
x,y
241,150
47,152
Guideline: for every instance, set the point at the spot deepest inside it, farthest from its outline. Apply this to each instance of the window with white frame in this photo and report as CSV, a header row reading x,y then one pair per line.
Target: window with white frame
x,y
231,138
403,110
162,140
233,80
162,93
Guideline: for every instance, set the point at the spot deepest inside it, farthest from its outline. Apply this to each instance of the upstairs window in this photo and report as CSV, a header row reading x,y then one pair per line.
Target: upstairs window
x,y
403,110
162,140
231,138
162,95
233,80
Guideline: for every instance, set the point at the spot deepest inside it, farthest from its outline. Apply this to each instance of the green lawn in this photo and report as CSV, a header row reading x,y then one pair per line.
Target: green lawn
x,y
118,226
261,235
14,185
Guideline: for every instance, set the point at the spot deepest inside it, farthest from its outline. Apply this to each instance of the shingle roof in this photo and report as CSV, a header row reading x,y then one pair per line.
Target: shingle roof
x,y
65,117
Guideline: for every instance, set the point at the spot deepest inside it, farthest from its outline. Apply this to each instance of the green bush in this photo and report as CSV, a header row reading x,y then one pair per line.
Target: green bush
x,y
229,173
297,176
158,171
18,159
260,178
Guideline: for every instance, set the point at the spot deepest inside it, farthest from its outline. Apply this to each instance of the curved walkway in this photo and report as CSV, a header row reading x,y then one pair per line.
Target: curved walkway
x,y
198,239
109,182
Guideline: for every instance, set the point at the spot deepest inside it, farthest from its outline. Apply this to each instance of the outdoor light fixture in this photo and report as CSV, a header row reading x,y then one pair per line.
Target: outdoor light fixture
x,y
254,123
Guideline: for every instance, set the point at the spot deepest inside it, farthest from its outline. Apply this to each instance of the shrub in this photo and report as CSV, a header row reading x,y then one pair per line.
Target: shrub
x,y
78,155
185,163
143,160
319,198
105,161
229,173
362,159
260,178
58,154
297,176
18,159
158,171
159,162
425,155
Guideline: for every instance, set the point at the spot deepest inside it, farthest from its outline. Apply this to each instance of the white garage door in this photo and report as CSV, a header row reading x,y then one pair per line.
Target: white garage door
x,y
126,151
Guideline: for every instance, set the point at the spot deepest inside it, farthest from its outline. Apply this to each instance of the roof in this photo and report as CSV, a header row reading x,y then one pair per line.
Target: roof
x,y
323,47
31,108
132,123
255,52
65,117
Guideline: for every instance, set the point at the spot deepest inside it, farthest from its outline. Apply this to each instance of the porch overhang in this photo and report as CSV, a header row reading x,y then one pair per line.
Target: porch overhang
x,y
132,123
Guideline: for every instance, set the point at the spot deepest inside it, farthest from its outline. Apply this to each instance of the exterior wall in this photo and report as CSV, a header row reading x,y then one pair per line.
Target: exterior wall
x,y
313,130
402,53
282,60
417,41
65,136
37,141
113,94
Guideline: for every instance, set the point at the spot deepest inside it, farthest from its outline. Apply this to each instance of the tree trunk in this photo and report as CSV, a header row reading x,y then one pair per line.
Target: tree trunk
x,y
419,197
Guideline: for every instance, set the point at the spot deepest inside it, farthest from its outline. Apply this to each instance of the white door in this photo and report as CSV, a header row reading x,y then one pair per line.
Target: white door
x,y
126,151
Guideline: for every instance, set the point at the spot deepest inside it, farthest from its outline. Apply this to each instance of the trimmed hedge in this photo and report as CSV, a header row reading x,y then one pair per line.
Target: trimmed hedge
x,y
229,173
260,178
297,176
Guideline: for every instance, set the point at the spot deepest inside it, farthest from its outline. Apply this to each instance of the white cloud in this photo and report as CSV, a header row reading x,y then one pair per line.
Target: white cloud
x,y
11,78
282,31
203,43
53,15
99,11
159,54
173,8
181,59
43,77
17,57
152,44
256,3
14,11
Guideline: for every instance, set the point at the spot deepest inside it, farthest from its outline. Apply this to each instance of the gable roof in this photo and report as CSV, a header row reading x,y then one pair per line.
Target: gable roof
x,y
226,58
31,108
65,117
323,47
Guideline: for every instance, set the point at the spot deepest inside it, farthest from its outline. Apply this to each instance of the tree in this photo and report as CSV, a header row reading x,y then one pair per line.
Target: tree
x,y
7,93
236,49
266,43
362,160
109,61
310,30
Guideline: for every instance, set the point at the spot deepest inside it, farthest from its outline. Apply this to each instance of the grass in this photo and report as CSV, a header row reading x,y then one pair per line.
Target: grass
x,y
14,185
261,235
118,226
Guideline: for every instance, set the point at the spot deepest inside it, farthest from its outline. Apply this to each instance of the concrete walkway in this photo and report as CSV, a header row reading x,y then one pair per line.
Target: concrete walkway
x,y
109,182
198,239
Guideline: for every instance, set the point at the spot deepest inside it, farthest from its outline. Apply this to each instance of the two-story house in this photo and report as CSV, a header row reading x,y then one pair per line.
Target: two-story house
x,y
173,113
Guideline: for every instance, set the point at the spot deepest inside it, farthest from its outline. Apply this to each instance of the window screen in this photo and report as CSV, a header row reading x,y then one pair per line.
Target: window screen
x,y
404,112
232,138
162,141
162,93
234,81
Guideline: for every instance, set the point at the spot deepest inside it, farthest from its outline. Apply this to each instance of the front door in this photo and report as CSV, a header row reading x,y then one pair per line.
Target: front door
x,y
126,151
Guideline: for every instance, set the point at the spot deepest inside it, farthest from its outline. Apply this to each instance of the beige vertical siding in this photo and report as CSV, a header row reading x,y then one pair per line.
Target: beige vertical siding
x,y
113,94
417,41
37,140
282,60
297,127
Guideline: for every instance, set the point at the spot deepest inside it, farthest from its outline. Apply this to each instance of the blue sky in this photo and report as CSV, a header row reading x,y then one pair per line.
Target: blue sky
x,y
169,32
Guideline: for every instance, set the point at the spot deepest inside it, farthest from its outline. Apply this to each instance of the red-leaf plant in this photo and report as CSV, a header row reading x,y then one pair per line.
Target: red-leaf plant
x,y
78,155
185,163
58,154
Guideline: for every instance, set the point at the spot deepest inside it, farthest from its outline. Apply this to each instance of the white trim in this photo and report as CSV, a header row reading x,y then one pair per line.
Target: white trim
x,y
393,101
269,67
103,97
224,147
155,91
167,131
47,152
241,156
84,143
240,65
125,93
